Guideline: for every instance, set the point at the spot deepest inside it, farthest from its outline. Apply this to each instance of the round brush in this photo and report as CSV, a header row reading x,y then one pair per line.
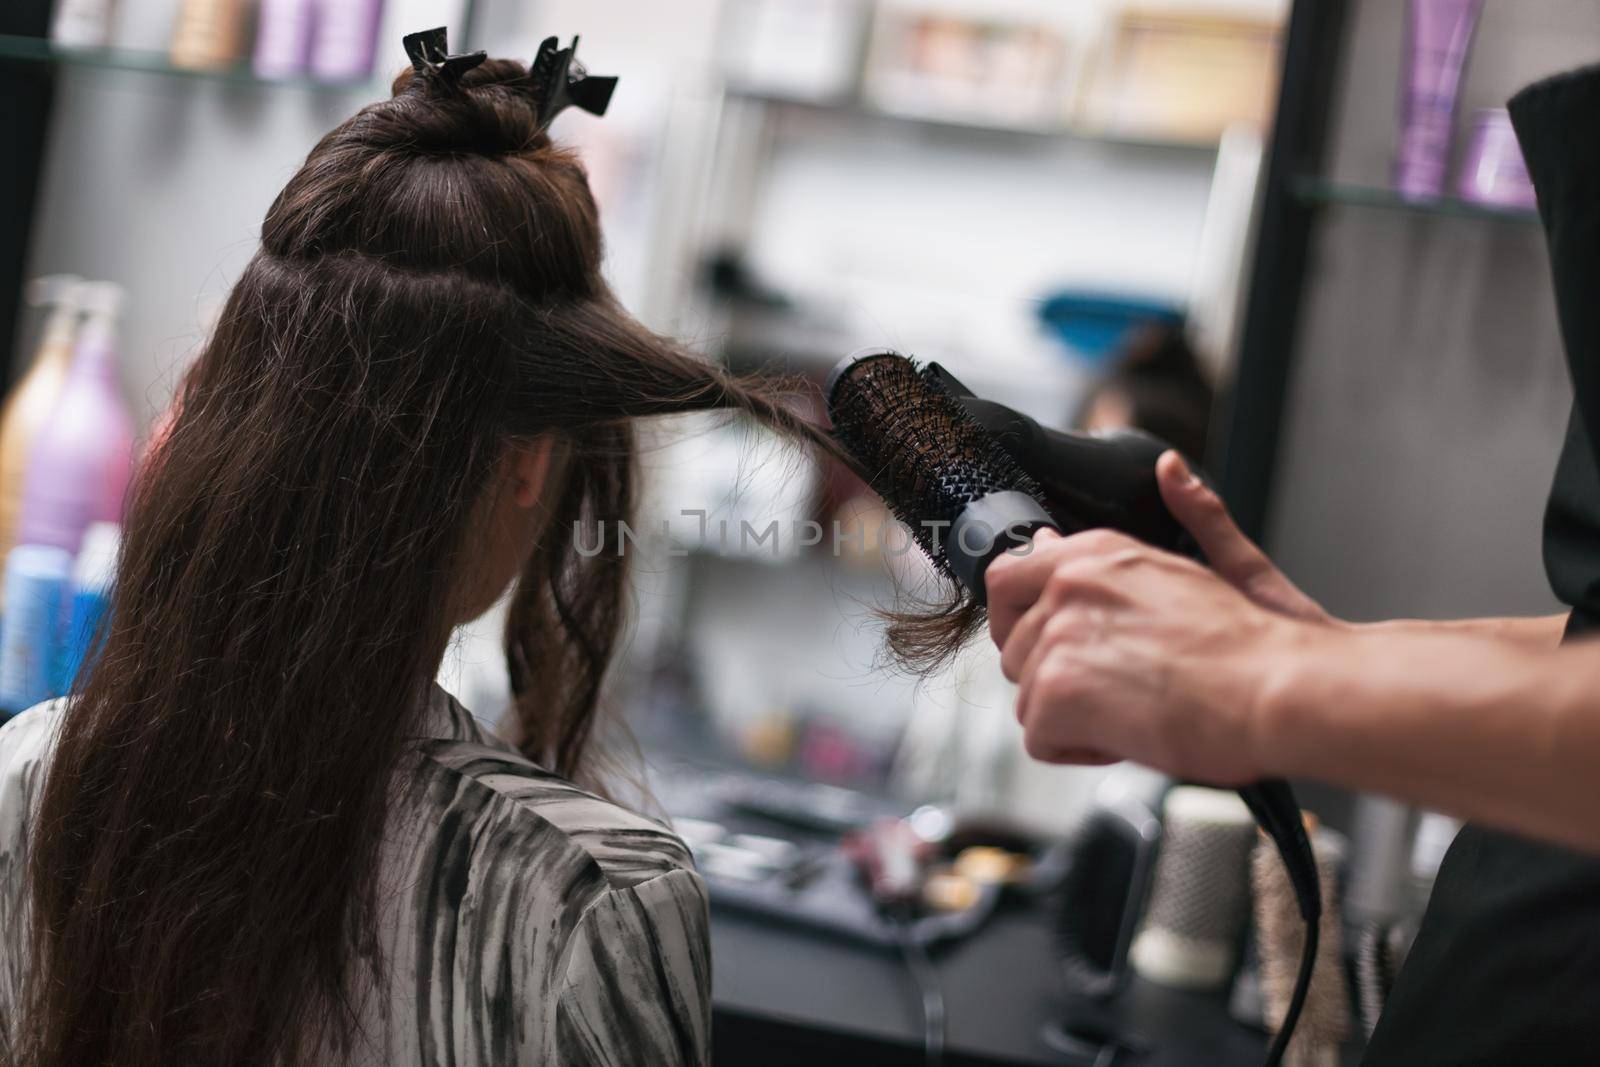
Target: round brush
x,y
966,501
943,475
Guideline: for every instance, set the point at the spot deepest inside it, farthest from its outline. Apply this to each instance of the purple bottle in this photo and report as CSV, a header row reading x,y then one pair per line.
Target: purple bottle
x,y
346,39
82,460
1439,33
1493,172
283,38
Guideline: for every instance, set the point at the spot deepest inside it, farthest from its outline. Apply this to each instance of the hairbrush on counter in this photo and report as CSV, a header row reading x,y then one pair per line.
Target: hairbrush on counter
x,y
966,500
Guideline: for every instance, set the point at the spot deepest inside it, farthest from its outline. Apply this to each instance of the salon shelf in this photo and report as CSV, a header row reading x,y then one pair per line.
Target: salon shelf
x,y
14,49
854,107
1321,191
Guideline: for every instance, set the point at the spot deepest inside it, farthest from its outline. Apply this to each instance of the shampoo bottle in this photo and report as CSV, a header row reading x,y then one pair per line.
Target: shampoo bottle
x,y
83,23
209,34
81,462
283,38
90,592
34,578
1439,33
34,398
346,39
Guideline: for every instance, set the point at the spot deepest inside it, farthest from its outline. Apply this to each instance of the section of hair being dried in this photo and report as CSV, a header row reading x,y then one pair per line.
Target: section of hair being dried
x,y
926,635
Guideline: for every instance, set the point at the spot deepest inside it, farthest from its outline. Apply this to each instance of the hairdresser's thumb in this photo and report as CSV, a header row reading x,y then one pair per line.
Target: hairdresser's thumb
x,y
1199,510
1232,555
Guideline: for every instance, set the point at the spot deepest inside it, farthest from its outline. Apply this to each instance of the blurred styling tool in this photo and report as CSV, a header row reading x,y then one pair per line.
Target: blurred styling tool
x,y
1101,898
939,468
891,855
1191,934
1278,942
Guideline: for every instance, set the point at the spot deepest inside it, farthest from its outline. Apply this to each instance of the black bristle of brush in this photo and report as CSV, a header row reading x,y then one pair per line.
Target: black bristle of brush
x,y
917,447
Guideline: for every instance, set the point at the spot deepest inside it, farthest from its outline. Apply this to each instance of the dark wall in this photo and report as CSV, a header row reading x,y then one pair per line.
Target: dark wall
x,y
26,90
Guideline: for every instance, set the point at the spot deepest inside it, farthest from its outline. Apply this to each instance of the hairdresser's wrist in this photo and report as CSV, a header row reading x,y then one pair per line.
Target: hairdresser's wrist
x,y
1544,631
1310,670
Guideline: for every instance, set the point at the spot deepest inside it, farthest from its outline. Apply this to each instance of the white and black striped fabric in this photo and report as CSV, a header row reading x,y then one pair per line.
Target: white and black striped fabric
x,y
524,921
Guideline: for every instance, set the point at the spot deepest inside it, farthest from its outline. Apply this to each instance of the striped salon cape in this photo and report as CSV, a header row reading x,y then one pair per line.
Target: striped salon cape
x,y
523,920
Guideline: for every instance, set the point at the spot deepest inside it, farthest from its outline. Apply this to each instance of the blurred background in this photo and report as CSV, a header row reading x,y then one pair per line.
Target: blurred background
x,y
1191,215
1006,188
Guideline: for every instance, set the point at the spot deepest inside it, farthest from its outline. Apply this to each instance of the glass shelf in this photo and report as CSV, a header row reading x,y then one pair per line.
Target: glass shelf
x,y
853,107
14,49
1322,191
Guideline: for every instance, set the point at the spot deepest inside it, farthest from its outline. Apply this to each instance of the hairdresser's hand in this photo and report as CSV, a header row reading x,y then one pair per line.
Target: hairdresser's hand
x,y
1122,651
1233,556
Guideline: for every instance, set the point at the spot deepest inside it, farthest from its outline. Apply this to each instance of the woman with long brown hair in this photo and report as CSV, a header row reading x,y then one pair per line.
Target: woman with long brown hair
x,y
257,833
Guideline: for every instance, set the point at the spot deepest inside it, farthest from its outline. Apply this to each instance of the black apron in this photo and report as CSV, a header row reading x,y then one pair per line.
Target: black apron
x,y
1506,967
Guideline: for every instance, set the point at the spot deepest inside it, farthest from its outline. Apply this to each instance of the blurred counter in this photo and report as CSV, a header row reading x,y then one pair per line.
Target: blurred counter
x,y
788,994
793,997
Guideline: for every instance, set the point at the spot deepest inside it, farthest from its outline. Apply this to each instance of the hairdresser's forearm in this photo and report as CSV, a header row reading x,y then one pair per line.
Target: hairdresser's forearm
x,y
1477,726
1541,631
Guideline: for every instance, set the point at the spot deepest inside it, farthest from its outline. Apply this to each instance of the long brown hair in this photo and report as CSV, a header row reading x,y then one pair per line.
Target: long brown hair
x,y
427,292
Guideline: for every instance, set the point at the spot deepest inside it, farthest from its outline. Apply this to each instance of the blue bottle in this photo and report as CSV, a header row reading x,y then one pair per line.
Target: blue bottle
x,y
35,577
91,596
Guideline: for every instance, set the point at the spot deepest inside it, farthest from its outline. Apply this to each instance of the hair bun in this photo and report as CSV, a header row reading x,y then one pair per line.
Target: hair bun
x,y
488,109
447,177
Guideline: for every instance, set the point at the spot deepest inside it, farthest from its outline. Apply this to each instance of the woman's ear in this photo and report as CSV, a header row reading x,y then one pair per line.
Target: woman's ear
x,y
527,465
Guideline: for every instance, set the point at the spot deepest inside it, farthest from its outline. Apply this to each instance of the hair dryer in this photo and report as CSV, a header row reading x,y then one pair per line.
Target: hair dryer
x,y
987,479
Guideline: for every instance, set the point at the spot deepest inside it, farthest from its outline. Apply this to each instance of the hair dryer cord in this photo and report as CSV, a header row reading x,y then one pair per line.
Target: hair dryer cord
x,y
1273,804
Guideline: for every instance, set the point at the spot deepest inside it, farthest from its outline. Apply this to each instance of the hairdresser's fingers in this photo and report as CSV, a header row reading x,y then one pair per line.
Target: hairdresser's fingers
x,y
1016,581
1083,757
1056,713
1232,555
1071,609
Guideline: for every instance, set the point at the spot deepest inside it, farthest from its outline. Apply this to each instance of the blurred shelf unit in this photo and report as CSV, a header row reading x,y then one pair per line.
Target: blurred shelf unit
x,y
1097,70
1184,75
855,108
1333,53
1316,191
17,49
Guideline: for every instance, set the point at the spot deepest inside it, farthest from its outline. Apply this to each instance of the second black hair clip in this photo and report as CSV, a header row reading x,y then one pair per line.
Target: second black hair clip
x,y
560,81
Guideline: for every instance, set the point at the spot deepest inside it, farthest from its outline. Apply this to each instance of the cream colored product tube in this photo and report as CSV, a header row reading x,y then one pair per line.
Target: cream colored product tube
x,y
209,34
1201,895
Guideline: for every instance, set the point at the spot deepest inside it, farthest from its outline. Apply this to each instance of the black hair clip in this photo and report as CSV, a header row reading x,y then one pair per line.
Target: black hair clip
x,y
431,55
559,82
